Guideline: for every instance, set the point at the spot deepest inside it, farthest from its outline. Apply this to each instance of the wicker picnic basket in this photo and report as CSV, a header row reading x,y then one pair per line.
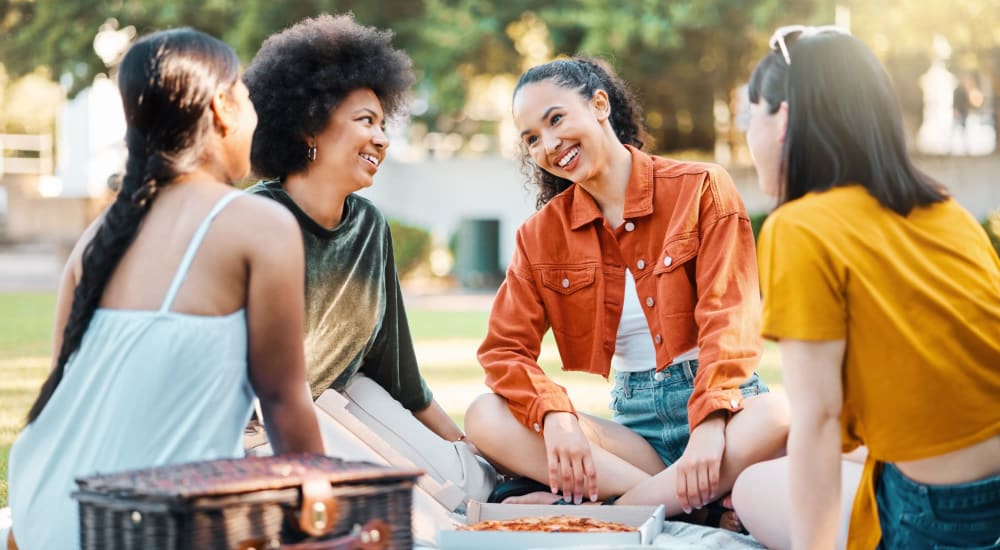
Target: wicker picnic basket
x,y
301,502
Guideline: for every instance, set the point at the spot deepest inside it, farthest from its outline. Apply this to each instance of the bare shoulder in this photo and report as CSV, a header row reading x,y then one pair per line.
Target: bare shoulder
x,y
260,217
258,229
74,263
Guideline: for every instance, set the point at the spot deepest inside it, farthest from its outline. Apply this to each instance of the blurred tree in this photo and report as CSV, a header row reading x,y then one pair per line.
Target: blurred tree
x,y
679,56
29,104
683,57
59,34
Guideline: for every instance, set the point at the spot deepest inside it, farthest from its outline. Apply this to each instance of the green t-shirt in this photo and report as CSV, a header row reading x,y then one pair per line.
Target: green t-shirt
x,y
355,319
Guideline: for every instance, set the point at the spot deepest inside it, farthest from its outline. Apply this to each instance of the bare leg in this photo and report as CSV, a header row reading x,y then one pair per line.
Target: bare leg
x,y
755,434
762,498
622,457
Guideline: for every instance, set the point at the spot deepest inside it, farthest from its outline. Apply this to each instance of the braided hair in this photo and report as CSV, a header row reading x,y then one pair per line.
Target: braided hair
x,y
586,75
167,81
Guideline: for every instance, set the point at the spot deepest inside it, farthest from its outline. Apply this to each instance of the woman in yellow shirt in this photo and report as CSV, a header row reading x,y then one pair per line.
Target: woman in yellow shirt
x,y
884,297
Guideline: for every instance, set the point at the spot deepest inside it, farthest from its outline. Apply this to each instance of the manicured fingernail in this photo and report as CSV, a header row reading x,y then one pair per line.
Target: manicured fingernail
x,y
593,497
577,499
555,490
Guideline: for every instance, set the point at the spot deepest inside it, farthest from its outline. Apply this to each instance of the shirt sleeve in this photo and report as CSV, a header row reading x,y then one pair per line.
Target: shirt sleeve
x,y
509,354
803,287
392,361
727,311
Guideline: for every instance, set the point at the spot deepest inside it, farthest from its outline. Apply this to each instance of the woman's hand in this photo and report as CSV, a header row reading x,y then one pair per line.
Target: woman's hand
x,y
698,468
571,464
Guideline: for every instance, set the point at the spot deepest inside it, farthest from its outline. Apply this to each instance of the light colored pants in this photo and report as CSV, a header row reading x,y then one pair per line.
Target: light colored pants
x,y
365,423
445,461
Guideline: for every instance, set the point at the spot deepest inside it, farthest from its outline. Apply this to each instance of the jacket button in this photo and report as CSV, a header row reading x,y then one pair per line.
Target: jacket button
x,y
649,302
537,427
658,339
629,226
565,283
667,261
641,264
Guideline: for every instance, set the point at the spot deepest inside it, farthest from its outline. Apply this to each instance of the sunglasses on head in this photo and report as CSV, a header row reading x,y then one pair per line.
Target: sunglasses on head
x,y
785,36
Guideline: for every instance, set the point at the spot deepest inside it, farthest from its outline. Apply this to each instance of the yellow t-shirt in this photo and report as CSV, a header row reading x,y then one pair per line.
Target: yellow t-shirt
x,y
917,299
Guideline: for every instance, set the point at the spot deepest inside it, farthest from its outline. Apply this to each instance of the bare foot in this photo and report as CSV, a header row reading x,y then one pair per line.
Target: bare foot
x,y
728,519
538,497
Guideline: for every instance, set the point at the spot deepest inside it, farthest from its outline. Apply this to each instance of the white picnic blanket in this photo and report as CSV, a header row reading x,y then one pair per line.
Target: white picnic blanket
x,y
677,535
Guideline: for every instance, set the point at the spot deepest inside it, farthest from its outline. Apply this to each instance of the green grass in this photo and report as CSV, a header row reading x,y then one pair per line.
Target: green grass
x,y
429,325
25,340
26,324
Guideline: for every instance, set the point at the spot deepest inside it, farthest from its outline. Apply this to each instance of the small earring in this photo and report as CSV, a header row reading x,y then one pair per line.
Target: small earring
x,y
311,153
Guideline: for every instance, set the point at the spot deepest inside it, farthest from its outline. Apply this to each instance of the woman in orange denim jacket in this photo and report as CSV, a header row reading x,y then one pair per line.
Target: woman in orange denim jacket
x,y
637,263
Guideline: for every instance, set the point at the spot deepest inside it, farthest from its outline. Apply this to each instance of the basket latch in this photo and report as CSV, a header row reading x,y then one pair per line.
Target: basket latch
x,y
319,513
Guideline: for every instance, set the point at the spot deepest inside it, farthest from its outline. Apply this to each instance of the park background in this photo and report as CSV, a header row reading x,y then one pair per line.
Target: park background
x,y
452,184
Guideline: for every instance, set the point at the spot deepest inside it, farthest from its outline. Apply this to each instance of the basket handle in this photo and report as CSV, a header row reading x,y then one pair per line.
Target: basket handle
x,y
319,512
374,535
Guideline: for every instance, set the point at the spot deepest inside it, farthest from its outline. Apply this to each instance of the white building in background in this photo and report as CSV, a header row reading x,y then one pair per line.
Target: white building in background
x,y
90,141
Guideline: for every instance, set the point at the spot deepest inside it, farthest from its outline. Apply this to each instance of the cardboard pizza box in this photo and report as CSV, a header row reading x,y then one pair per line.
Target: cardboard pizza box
x,y
647,519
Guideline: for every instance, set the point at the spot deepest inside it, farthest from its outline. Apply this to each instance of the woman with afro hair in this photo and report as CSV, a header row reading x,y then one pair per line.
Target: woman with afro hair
x,y
323,90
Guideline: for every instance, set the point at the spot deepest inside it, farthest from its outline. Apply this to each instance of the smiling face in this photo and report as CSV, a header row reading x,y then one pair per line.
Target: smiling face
x,y
765,139
352,146
562,130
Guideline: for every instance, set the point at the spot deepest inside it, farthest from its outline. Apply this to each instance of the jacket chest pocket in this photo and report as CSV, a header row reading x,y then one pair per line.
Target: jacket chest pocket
x,y
675,276
569,294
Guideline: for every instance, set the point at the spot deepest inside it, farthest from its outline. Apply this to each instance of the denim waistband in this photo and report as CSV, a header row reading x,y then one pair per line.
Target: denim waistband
x,y
687,369
958,496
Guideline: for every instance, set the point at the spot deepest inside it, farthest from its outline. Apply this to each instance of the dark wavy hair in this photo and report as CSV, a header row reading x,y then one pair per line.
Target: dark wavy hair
x,y
586,75
167,81
844,122
302,73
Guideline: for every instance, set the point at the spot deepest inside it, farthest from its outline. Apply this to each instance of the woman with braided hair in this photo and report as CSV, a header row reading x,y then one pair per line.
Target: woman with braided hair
x,y
640,264
170,316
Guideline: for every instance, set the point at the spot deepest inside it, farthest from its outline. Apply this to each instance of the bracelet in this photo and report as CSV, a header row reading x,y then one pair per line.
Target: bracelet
x,y
460,438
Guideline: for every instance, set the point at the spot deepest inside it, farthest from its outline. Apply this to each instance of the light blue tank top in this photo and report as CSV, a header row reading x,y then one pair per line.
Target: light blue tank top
x,y
145,388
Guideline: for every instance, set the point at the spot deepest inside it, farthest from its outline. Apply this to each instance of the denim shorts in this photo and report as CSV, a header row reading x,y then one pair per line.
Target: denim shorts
x,y
937,517
654,405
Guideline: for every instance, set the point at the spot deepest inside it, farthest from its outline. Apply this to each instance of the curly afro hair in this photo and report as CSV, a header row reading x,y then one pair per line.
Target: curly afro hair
x,y
302,73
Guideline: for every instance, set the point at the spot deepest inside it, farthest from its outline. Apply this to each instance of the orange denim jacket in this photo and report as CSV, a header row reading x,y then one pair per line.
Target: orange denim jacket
x,y
688,242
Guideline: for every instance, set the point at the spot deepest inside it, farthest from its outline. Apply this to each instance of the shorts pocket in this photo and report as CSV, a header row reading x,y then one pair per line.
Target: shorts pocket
x,y
753,386
953,533
616,396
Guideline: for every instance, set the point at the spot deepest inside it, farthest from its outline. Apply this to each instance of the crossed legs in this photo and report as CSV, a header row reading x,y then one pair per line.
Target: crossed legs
x,y
626,464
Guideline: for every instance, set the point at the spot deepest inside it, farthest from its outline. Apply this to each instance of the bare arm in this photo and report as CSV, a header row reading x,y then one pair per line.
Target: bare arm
x,y
275,318
812,371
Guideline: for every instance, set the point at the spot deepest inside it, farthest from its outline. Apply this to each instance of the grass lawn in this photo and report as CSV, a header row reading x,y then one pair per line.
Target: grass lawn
x,y
446,343
25,333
